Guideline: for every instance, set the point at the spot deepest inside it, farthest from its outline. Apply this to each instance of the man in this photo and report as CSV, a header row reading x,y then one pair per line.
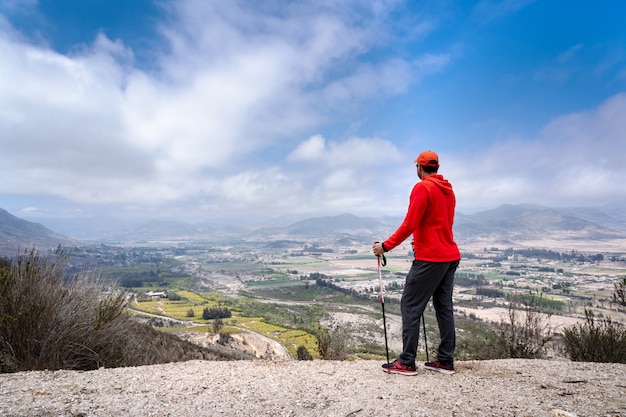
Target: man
x,y
429,220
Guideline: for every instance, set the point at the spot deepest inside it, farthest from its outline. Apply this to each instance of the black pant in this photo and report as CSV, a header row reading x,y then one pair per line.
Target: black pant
x,y
426,279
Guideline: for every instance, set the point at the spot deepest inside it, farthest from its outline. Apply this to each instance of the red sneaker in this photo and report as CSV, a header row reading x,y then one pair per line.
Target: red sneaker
x,y
444,368
397,367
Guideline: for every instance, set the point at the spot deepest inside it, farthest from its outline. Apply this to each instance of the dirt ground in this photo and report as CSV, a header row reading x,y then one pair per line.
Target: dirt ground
x,y
504,388
249,342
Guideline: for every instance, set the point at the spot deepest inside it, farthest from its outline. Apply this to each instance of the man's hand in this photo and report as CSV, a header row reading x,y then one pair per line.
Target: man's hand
x,y
377,248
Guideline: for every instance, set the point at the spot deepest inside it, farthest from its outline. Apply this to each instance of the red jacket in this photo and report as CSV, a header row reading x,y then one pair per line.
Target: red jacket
x,y
429,219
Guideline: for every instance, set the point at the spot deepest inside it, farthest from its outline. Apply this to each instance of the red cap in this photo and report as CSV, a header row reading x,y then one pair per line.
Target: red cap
x,y
428,159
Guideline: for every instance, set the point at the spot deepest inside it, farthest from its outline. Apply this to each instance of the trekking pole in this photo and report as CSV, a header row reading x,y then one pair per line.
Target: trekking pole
x,y
425,340
382,301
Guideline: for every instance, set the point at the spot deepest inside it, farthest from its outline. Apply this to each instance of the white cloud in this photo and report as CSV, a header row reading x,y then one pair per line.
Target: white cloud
x,y
576,159
353,152
310,150
258,191
247,107
237,81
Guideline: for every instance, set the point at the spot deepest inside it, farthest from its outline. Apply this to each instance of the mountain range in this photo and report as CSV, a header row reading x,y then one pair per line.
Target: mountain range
x,y
505,223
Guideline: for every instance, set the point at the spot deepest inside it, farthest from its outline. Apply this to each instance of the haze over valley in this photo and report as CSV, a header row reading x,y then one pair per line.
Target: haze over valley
x,y
569,257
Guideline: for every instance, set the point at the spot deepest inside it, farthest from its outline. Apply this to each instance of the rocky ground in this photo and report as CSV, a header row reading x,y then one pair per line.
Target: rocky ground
x,y
320,388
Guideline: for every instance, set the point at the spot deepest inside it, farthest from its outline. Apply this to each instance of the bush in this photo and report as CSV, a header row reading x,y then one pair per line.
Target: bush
x,y
50,321
525,337
332,343
619,296
217,326
483,347
303,354
596,341
224,338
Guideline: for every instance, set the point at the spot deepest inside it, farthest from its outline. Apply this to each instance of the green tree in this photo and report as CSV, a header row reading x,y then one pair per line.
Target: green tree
x,y
303,354
216,312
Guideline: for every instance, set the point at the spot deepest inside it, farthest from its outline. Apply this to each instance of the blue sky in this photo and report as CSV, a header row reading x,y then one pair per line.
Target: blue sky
x,y
201,110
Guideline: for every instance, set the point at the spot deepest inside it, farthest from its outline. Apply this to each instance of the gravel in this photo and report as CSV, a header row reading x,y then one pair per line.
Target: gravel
x,y
513,387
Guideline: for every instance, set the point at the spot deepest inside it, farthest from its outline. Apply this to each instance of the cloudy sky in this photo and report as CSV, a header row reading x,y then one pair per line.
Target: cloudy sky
x,y
199,109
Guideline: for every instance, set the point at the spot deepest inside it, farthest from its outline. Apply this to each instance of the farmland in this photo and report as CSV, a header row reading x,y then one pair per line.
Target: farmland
x,y
285,294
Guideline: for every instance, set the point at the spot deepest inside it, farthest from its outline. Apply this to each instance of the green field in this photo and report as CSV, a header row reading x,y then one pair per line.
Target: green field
x,y
288,336
277,295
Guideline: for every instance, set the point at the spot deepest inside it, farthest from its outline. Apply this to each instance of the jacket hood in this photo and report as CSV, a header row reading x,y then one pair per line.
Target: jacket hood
x,y
440,182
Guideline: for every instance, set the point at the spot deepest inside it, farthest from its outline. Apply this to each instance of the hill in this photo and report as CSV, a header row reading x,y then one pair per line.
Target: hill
x,y
502,388
16,234
328,226
523,223
506,224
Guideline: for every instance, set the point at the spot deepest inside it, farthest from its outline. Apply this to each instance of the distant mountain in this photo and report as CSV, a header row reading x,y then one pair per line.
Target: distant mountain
x,y
164,229
328,226
159,230
609,217
17,234
505,223
91,229
524,222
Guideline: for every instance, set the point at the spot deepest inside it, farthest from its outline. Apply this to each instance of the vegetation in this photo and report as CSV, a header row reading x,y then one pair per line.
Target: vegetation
x,y
553,255
51,321
465,279
216,313
218,324
332,342
596,340
283,299
525,333
476,340
303,354
619,296
538,304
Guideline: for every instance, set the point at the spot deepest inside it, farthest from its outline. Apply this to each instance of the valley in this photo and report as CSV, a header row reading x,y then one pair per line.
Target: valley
x,y
292,286
289,282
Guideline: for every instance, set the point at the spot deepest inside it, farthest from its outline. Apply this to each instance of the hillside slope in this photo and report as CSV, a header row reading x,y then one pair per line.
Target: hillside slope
x,y
17,234
321,388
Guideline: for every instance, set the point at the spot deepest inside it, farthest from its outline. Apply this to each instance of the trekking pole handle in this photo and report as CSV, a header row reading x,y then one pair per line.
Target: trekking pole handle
x,y
381,298
384,260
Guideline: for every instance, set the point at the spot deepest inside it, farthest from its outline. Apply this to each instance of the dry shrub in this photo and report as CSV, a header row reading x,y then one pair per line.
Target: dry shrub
x,y
619,296
51,321
332,342
484,347
596,341
525,333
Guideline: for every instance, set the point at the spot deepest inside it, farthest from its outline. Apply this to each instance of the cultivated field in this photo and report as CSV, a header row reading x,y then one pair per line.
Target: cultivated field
x,y
277,301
